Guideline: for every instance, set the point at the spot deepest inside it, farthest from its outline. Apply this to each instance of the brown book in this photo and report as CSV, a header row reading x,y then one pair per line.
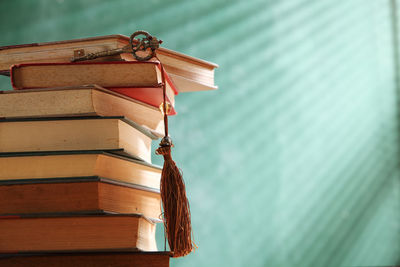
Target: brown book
x,y
106,133
88,259
42,166
91,100
139,80
77,195
186,72
72,233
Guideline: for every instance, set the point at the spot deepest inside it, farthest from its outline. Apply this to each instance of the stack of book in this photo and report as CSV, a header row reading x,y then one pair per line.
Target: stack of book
x,y
77,186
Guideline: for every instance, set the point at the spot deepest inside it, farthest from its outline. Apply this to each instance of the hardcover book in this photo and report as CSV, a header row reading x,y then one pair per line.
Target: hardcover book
x,y
87,259
45,165
76,232
139,80
77,195
90,100
187,73
73,134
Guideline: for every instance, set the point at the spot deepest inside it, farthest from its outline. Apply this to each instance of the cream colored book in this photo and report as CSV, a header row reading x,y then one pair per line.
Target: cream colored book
x,y
91,100
108,133
48,165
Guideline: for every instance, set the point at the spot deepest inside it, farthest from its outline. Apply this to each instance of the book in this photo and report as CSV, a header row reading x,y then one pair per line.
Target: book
x,y
42,166
76,232
90,100
77,195
72,134
187,73
87,259
139,80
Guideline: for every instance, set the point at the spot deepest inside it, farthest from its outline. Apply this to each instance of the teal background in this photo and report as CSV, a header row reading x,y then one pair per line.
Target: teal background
x,y
294,161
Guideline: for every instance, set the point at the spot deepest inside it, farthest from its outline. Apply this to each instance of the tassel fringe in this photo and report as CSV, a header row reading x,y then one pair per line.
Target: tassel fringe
x,y
177,221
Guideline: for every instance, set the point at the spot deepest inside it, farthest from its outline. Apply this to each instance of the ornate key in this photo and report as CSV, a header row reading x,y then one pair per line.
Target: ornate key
x,y
148,44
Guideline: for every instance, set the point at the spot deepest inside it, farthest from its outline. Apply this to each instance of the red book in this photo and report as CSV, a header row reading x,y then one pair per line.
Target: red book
x,y
139,80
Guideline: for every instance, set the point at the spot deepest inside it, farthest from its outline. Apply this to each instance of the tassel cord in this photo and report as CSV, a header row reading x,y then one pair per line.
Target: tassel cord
x,y
177,219
164,99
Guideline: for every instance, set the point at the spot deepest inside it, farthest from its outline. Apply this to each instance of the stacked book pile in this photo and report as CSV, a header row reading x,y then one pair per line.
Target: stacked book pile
x,y
77,186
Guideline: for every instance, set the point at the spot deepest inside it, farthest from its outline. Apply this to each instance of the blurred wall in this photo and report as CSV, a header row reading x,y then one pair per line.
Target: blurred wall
x,y
294,161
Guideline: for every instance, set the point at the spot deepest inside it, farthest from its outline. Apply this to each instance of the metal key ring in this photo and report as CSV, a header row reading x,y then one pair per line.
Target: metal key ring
x,y
144,44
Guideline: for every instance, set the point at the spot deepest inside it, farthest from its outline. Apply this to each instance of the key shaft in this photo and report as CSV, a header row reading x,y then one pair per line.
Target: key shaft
x,y
107,53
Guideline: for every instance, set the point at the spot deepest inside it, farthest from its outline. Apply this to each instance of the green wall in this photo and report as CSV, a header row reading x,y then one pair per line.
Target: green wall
x,y
294,161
